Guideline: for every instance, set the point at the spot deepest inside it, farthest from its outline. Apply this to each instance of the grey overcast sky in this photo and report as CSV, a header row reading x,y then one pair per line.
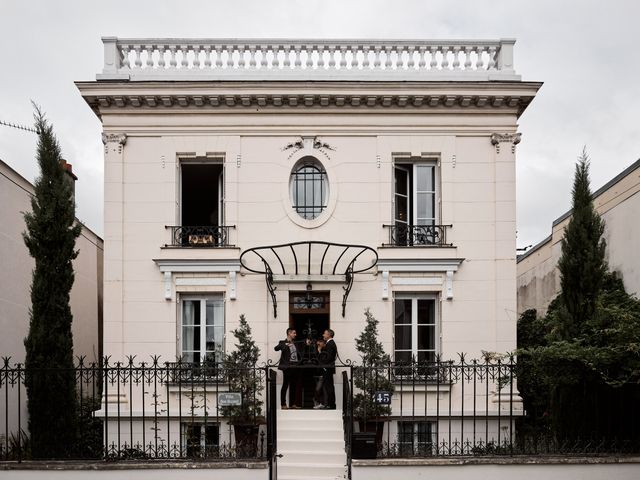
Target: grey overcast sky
x,y
587,53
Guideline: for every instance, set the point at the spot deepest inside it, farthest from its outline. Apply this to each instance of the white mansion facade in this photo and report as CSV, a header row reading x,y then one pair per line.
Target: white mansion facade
x,y
395,159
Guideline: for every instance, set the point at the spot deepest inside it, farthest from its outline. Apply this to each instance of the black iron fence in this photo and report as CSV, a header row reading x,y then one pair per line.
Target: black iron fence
x,y
203,236
176,410
461,408
403,235
147,410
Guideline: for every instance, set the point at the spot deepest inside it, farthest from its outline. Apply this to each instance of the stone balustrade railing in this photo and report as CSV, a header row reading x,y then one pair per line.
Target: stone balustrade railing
x,y
262,59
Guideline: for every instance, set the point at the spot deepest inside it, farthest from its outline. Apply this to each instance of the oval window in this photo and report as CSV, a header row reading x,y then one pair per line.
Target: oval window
x,y
309,188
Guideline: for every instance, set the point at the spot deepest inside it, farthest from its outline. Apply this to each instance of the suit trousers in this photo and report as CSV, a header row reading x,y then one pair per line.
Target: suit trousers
x,y
329,389
291,382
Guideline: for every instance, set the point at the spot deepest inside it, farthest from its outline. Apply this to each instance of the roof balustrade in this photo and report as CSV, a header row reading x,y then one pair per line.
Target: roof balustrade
x,y
329,60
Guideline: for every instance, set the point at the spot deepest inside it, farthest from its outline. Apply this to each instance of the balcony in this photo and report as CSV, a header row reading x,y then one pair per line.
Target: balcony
x,y
402,235
203,236
307,59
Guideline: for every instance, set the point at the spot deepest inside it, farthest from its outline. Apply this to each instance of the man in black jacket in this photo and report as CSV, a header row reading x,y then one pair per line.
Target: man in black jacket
x,y
290,356
329,364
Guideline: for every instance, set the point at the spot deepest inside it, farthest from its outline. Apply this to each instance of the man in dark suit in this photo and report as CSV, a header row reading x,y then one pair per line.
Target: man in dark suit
x,y
290,356
329,363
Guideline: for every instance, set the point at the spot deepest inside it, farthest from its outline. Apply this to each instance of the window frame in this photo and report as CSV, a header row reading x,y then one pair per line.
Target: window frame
x,y
202,445
220,185
411,166
309,161
415,297
415,444
203,299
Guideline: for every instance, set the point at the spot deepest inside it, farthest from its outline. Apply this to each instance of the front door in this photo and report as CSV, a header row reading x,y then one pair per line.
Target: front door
x,y
309,315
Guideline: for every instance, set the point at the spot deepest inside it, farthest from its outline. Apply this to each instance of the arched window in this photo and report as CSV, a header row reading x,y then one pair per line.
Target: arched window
x,y
309,188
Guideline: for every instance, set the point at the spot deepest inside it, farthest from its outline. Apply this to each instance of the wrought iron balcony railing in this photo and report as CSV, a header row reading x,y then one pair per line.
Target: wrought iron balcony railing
x,y
401,235
204,236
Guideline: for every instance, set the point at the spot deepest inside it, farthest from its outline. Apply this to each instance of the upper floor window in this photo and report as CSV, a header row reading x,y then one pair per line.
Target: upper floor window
x,y
201,205
201,193
415,204
309,188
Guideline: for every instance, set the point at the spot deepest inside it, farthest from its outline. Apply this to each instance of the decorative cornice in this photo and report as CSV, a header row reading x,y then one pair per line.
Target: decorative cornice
x,y
197,265
353,101
420,264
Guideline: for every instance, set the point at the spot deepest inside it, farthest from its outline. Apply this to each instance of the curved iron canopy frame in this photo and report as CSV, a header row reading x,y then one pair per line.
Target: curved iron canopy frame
x,y
349,272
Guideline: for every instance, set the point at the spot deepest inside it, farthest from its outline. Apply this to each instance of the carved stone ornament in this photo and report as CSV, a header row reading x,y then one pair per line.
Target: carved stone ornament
x,y
313,142
512,138
120,138
117,139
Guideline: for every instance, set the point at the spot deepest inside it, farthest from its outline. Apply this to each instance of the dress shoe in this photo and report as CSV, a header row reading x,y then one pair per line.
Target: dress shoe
x,y
284,407
295,407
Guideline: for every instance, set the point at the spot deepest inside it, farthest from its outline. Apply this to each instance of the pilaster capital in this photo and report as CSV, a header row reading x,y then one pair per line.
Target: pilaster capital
x,y
117,140
120,138
512,138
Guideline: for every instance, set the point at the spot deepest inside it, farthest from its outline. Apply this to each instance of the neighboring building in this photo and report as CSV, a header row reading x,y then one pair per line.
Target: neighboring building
x,y
15,282
217,150
17,264
618,203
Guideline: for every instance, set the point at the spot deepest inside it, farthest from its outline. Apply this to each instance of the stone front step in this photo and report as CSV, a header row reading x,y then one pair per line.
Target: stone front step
x,y
311,457
311,443
305,471
340,476
322,432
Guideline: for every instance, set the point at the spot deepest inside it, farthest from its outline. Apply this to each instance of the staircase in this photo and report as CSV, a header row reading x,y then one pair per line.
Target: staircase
x,y
311,443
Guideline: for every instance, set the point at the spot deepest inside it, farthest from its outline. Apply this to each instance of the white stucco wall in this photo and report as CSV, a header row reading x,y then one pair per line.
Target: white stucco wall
x,y
622,234
477,197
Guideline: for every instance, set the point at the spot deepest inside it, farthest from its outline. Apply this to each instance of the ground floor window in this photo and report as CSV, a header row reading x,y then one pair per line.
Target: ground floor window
x,y
415,329
202,329
416,438
200,440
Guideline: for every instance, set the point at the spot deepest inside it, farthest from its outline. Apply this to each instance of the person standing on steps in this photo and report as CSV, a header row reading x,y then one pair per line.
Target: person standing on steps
x,y
331,351
290,354
319,400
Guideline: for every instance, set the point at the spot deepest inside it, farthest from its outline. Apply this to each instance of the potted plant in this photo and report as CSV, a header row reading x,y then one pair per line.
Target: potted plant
x,y
245,378
371,377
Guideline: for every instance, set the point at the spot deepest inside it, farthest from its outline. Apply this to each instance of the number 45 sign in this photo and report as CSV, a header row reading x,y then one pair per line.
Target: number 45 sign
x,y
382,398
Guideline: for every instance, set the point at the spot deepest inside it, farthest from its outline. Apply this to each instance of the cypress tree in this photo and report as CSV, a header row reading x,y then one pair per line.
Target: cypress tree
x,y
50,237
582,264
579,365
